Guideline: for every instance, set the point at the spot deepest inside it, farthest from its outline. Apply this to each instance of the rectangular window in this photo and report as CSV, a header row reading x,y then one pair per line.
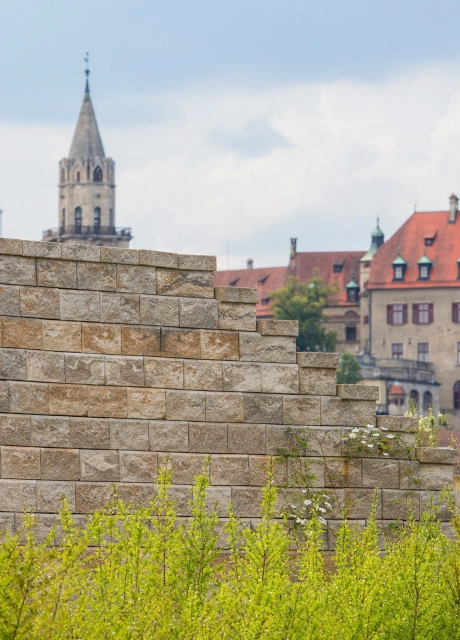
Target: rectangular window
x,y
458,352
398,273
455,311
365,319
397,350
350,334
423,351
422,313
397,313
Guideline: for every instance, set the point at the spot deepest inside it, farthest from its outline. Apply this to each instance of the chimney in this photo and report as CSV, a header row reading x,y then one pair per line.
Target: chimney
x,y
249,263
453,208
293,248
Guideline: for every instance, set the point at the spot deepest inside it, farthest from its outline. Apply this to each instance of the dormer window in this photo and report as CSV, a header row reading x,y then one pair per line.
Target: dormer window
x,y
337,268
399,267
399,273
352,289
261,280
424,267
233,282
429,242
264,301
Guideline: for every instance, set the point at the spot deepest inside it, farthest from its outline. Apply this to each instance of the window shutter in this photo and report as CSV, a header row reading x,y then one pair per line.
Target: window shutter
x,y
454,311
404,313
415,313
389,314
430,312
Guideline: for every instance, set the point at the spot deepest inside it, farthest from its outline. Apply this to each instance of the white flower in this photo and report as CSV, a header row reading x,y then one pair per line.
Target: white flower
x,y
322,520
386,454
307,502
304,491
390,435
375,435
371,446
321,509
325,496
384,429
363,442
328,505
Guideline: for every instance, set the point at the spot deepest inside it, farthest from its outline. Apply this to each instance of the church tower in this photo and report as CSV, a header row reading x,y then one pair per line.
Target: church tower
x,y
87,188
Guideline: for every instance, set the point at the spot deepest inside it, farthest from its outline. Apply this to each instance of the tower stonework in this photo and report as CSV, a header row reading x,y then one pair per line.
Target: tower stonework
x,y
86,208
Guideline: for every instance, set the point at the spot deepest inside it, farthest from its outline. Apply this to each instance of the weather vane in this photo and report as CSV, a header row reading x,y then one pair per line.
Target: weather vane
x,y
87,64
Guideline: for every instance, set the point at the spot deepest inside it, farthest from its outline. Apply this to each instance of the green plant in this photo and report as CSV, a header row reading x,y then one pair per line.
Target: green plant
x,y
429,428
349,371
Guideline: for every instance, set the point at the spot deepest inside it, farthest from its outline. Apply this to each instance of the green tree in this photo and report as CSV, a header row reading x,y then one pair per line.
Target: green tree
x,y
305,302
349,371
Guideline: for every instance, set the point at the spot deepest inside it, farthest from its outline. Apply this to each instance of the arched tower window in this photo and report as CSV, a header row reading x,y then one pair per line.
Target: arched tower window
x,y
97,175
78,176
415,397
97,217
457,395
427,401
78,217
62,175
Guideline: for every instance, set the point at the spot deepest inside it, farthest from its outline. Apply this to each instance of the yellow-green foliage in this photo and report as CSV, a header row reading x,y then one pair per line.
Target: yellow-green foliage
x,y
144,573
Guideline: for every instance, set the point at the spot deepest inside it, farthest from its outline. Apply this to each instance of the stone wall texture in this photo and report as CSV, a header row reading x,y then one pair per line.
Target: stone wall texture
x,y
113,361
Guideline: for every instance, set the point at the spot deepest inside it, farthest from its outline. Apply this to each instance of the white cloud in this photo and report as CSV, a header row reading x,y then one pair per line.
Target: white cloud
x,y
314,161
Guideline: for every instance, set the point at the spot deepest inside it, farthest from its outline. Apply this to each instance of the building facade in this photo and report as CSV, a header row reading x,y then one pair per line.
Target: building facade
x,y
86,207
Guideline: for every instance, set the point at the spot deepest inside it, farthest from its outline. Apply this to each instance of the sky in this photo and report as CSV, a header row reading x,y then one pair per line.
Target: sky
x,y
236,125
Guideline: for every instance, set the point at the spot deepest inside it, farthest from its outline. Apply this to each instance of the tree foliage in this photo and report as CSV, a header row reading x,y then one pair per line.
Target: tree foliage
x,y
349,371
305,302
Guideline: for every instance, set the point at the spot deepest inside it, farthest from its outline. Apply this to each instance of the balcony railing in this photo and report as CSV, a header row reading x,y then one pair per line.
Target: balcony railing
x,y
124,232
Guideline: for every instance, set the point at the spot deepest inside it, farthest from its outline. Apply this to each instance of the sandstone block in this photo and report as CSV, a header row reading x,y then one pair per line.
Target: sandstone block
x,y
39,302
237,316
149,404
313,471
318,360
80,305
7,525
132,435
181,495
22,334
5,397
136,279
18,495
15,430
83,252
140,341
120,307
84,369
257,348
97,276
198,313
207,438
68,400
203,375
191,284
139,466
279,438
60,464
12,364
246,501
180,343
168,436
258,471
50,431
136,494
381,473
247,438
437,455
224,407
186,405
280,378
228,470
89,433
359,503
197,263
261,408
22,463
38,249
158,310
236,294
323,441
159,259
240,376
357,392
304,410
164,373
125,371
400,505
11,246
28,397
61,336
99,465
219,345
430,477
92,496
278,327
45,366
218,499
316,381
17,270
101,338
343,473
122,256
50,495
348,413
56,273
107,402
397,423
185,466
9,301
434,502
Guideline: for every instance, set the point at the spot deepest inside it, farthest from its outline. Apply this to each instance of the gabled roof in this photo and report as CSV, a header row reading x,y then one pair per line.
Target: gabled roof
x,y
444,253
86,141
270,279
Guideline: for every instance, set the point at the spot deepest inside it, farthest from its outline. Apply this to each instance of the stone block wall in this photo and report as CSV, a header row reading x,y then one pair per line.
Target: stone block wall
x,y
113,361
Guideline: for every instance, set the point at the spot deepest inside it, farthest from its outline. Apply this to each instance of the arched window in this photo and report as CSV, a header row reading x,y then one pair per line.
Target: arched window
x,y
97,175
414,396
63,217
62,175
78,217
457,395
427,401
97,217
78,176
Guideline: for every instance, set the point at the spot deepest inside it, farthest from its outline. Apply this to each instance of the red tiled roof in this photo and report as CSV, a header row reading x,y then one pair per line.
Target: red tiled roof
x,y
397,390
304,265
444,252
271,278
